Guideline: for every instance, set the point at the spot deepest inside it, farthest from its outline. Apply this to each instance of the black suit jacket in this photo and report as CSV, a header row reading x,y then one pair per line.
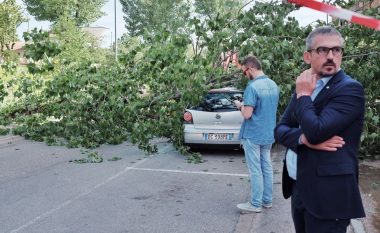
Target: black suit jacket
x,y
327,181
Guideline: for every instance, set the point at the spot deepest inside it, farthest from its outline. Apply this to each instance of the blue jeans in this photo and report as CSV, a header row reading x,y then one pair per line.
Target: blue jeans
x,y
258,161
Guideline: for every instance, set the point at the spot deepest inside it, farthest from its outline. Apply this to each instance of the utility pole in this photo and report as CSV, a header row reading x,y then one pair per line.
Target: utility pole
x,y
115,32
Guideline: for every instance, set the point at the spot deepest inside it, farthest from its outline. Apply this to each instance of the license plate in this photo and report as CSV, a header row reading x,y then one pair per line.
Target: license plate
x,y
218,136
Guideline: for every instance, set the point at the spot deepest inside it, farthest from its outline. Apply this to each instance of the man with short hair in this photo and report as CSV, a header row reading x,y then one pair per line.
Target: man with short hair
x,y
321,129
256,134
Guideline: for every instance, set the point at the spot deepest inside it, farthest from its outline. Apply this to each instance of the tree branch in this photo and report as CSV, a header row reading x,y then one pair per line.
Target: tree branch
x,y
361,55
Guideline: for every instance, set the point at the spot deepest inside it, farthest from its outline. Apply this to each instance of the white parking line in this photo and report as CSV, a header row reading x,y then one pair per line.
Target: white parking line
x,y
68,202
191,172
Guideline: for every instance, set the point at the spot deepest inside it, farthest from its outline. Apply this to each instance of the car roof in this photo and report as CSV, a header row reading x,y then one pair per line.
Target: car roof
x,y
224,90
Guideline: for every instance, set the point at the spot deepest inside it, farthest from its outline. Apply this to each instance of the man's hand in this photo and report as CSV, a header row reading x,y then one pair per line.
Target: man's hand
x,y
331,144
238,104
305,83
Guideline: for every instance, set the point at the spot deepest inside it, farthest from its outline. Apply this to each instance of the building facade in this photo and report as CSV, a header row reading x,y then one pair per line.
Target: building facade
x,y
365,5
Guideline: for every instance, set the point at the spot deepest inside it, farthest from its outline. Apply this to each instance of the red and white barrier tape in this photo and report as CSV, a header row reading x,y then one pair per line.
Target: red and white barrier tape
x,y
340,13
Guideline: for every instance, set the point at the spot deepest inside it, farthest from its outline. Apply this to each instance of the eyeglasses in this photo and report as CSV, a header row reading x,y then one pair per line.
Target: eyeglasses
x,y
325,50
246,70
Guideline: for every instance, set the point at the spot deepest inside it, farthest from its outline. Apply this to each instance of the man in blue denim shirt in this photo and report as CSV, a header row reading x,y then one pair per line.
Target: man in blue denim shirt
x,y
256,134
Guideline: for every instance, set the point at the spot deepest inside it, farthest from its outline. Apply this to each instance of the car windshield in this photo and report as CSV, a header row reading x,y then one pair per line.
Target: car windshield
x,y
219,102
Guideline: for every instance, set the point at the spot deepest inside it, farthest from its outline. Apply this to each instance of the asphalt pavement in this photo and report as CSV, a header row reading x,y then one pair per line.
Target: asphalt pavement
x,y
45,189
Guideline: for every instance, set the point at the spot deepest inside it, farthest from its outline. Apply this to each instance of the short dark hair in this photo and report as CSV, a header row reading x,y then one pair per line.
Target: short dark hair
x,y
252,61
324,30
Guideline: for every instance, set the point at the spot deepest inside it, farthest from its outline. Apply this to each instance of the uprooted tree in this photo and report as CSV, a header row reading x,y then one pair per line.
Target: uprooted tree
x,y
144,95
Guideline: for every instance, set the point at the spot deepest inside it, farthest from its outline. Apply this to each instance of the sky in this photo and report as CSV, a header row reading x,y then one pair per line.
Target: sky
x,y
305,16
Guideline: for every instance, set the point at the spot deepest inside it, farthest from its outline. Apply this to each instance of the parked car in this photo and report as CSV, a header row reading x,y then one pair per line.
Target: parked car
x,y
215,121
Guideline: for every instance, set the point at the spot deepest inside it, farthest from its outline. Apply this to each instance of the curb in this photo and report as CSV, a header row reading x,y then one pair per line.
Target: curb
x,y
9,140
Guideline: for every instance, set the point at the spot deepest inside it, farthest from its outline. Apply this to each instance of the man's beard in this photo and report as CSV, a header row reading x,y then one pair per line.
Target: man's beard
x,y
324,75
328,63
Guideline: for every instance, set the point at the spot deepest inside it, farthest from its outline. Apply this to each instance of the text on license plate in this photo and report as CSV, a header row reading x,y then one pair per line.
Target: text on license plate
x,y
217,136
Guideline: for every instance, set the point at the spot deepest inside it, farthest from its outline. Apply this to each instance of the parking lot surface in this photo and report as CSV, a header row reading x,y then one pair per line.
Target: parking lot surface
x,y
43,189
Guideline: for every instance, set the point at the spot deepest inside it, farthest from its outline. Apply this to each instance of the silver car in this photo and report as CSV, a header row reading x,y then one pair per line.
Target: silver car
x,y
216,121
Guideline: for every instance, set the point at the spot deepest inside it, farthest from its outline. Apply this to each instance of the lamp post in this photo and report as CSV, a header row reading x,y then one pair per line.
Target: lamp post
x,y
115,31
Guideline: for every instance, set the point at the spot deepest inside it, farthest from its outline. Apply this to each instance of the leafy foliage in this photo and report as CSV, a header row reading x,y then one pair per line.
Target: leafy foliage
x,y
4,131
65,45
115,158
77,45
10,18
82,12
11,60
40,50
362,61
210,8
92,157
149,16
3,92
142,97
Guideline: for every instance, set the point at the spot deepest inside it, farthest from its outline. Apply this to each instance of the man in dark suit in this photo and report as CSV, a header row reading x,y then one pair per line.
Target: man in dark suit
x,y
321,129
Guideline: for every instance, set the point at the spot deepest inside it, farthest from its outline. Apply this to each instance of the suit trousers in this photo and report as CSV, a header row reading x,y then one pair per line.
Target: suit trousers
x,y
305,222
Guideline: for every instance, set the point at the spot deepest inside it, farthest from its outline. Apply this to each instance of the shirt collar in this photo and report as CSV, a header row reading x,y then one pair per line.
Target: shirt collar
x,y
326,79
259,77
